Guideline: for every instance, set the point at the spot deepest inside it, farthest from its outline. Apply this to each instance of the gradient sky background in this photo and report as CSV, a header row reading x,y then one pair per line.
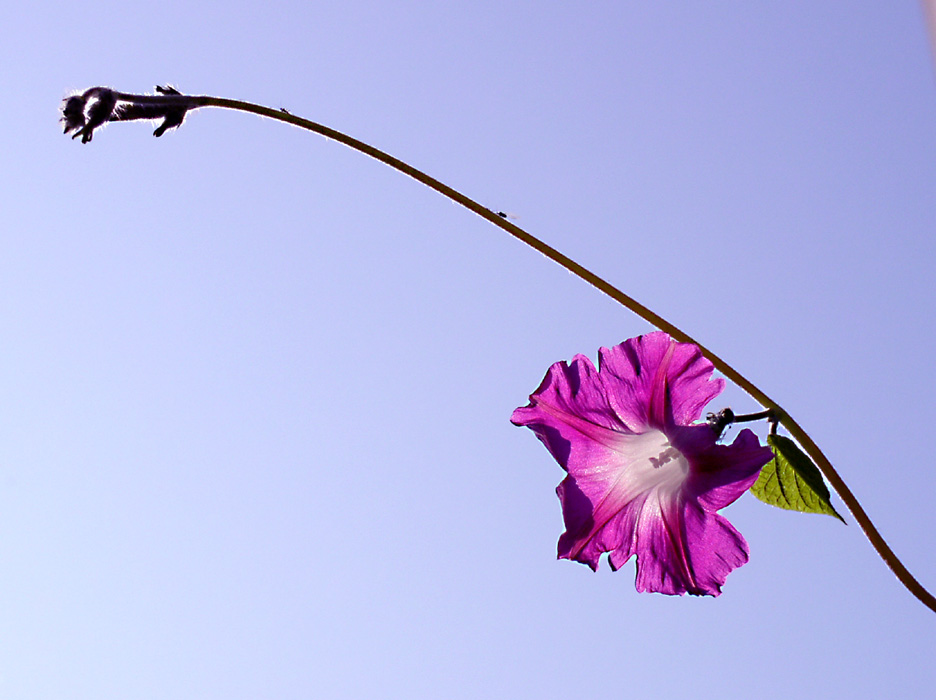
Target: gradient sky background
x,y
255,387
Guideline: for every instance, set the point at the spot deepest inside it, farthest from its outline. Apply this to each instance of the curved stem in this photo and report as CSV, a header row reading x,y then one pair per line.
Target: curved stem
x,y
800,435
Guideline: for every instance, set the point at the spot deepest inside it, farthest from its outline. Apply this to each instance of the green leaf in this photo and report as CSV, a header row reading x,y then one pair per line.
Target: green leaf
x,y
791,481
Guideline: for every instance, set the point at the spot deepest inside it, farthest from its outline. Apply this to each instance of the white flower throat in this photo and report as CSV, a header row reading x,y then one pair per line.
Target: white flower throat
x,y
652,462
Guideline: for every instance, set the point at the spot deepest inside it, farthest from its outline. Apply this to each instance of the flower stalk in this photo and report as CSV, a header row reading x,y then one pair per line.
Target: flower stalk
x,y
83,114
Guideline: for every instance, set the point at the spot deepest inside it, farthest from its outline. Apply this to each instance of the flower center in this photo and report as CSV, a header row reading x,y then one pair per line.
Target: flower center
x,y
652,462
665,456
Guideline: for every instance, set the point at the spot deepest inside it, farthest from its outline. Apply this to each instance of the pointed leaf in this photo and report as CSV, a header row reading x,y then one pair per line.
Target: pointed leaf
x,y
791,481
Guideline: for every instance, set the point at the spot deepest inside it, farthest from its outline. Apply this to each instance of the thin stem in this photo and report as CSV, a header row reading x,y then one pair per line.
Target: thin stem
x,y
772,407
751,417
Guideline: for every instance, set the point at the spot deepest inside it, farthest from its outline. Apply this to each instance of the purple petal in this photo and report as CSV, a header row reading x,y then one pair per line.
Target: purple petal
x,y
570,414
657,382
681,548
722,474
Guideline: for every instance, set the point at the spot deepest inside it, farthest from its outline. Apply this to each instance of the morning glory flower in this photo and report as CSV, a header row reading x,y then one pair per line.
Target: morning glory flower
x,y
644,478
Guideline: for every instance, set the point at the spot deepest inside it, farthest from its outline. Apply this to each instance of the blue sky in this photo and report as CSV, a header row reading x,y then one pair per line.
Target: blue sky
x,y
254,436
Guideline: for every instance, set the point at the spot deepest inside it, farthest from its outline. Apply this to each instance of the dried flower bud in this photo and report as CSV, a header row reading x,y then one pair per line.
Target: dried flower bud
x,y
86,112
98,111
96,106
73,113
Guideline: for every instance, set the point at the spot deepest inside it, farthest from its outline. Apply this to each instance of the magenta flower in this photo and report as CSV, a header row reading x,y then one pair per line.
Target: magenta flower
x,y
642,479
